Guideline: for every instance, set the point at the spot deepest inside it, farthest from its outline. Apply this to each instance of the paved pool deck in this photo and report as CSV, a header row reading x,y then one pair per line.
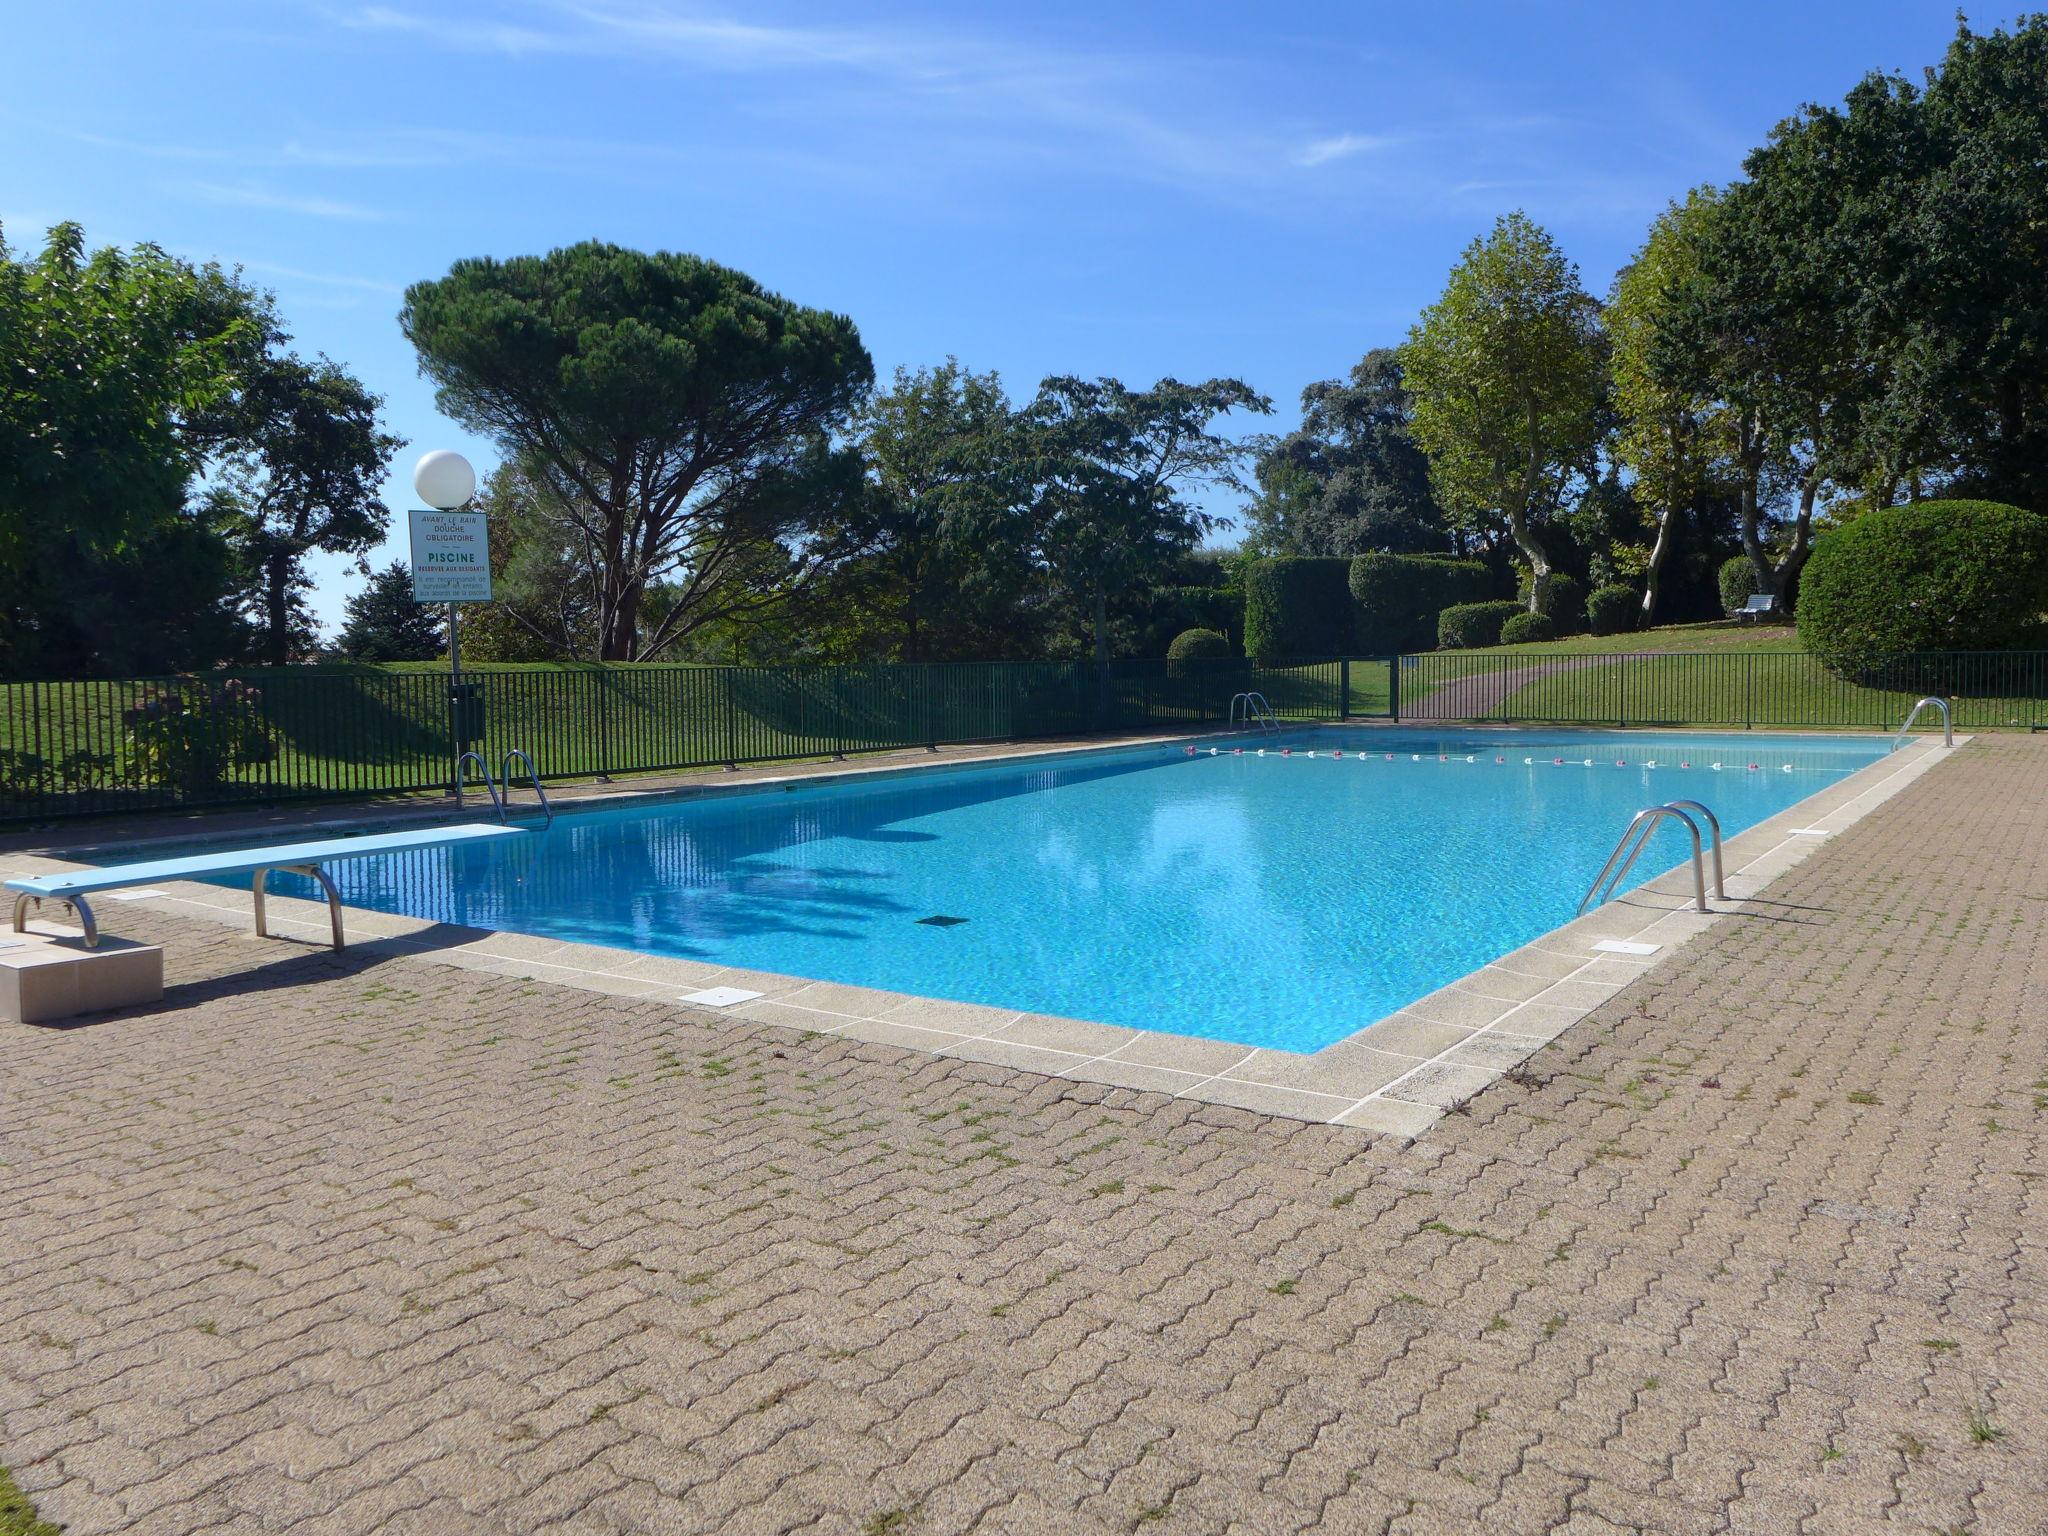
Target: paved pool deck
x,y
367,1242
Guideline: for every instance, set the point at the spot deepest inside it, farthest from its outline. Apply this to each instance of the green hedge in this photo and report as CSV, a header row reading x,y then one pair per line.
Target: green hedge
x,y
1567,605
1298,605
1931,576
1527,629
1399,597
1195,645
1174,610
1738,583
1613,610
1464,626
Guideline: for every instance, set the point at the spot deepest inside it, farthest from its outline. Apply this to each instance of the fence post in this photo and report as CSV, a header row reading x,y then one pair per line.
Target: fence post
x,y
1394,689
1344,687
732,720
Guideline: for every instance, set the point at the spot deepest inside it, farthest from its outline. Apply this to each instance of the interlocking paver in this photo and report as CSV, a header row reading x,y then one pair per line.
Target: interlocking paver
x,y
352,1243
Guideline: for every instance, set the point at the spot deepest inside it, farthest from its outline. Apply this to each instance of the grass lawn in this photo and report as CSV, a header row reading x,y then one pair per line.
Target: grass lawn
x,y
17,1514
1722,674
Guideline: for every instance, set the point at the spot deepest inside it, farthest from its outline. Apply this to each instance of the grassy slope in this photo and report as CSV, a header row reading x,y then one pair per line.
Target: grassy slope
x,y
1709,674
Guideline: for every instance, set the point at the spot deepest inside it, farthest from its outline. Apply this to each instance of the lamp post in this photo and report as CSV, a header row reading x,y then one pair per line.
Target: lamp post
x,y
445,481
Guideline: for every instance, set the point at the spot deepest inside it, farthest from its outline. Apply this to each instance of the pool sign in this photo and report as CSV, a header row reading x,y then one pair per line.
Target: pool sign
x,y
451,557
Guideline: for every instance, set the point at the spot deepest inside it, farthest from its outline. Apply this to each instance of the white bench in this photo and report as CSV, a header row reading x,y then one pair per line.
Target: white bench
x,y
74,886
1758,606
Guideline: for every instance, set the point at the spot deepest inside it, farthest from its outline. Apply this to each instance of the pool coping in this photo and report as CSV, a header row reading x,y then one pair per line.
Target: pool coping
x,y
1425,1058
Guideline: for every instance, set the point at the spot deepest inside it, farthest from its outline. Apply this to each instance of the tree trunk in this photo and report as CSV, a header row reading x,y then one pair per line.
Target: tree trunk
x,y
1518,518
1101,618
1653,575
277,609
1786,573
1667,520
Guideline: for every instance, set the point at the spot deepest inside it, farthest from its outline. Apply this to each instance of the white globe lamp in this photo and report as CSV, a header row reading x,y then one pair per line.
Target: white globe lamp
x,y
444,479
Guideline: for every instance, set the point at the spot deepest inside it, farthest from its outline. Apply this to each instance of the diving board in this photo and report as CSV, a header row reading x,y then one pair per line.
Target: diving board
x,y
73,886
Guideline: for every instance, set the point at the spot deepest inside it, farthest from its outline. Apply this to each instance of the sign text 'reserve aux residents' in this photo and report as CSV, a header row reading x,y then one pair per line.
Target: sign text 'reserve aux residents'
x,y
451,557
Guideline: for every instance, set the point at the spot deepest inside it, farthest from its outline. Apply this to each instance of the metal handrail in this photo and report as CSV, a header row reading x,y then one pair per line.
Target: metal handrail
x,y
484,768
1256,708
1948,728
533,773
1714,826
1638,832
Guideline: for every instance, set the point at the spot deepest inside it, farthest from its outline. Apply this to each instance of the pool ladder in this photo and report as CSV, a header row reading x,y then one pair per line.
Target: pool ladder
x,y
504,778
1253,709
1948,726
1637,837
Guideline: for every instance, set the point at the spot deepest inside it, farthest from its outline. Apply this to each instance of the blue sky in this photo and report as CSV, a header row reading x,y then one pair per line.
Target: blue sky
x,y
1135,189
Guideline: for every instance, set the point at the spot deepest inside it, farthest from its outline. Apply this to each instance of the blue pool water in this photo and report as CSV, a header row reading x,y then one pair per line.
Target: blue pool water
x,y
1273,901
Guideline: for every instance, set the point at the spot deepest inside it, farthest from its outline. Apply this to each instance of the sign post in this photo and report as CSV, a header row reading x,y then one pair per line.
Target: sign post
x,y
451,563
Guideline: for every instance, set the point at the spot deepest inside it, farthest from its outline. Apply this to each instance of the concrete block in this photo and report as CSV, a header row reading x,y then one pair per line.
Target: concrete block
x,y
45,977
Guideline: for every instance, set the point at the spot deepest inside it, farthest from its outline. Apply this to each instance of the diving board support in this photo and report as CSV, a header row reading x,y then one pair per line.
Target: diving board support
x,y
311,872
77,905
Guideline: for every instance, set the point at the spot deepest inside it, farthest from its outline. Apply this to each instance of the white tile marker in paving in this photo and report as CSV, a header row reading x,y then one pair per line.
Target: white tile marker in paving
x,y
720,997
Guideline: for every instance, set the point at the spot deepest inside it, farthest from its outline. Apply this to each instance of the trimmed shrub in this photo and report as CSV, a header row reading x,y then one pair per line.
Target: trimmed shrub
x,y
1398,598
1196,646
1297,605
1931,576
1613,610
1527,629
1172,610
1738,583
1567,607
1466,625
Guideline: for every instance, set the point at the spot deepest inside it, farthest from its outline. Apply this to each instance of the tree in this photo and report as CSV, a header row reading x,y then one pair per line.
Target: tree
x,y
948,527
1352,480
1664,424
1790,322
1978,323
1505,371
385,622
1112,467
543,603
301,469
679,417
107,362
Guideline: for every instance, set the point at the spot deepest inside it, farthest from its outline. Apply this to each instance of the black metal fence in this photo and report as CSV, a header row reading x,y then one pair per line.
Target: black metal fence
x,y
82,746
1986,690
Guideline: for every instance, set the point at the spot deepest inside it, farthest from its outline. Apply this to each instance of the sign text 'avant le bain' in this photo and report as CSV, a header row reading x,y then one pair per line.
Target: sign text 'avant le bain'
x,y
451,557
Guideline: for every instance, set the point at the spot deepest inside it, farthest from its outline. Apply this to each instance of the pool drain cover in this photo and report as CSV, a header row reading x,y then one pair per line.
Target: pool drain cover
x,y
941,921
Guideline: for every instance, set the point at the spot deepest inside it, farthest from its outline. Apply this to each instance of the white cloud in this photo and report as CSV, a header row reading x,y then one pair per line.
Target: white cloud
x,y
1342,147
247,195
322,279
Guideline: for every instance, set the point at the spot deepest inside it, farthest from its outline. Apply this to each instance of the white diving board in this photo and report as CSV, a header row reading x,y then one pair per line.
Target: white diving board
x,y
73,886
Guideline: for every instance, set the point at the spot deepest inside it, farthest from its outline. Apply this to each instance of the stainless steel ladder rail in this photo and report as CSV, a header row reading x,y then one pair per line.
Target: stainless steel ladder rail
x,y
1255,710
1948,726
1632,843
1713,826
484,768
533,773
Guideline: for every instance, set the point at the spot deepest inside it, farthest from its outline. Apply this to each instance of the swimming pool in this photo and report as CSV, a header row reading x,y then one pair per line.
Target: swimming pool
x,y
1284,900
